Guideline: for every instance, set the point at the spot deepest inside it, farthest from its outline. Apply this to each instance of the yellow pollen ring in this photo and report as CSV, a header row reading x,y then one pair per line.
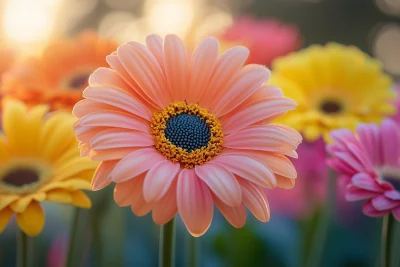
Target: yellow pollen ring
x,y
177,154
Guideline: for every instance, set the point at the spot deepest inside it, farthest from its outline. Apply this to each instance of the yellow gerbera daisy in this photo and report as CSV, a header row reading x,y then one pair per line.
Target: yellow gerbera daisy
x,y
39,160
335,86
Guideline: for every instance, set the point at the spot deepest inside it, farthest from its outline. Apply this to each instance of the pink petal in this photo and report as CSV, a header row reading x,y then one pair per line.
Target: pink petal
x,y
255,200
352,162
111,154
365,181
135,163
236,216
127,192
87,106
284,182
396,213
158,179
277,163
176,69
195,203
112,138
393,194
114,119
259,111
369,210
390,142
119,99
110,78
102,177
227,67
383,203
248,81
116,64
84,150
361,156
247,168
221,182
354,194
155,44
264,138
165,209
202,66
145,70
369,137
138,205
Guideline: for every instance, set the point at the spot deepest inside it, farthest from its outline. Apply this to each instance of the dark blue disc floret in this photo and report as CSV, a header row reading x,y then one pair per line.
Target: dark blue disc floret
x,y
187,131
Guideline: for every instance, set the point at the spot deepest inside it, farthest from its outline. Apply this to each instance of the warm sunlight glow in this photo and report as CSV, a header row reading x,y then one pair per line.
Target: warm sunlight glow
x,y
170,16
29,22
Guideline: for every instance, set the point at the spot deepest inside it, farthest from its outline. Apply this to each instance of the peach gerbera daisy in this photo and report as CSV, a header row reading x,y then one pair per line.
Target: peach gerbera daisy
x,y
7,56
180,132
58,77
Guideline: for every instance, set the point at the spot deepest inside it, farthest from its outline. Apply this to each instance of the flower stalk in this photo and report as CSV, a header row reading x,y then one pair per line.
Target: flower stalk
x,y
22,250
167,244
387,240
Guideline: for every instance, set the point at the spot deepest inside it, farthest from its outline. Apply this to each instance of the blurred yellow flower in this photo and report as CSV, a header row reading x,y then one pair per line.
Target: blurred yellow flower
x,y
39,161
335,86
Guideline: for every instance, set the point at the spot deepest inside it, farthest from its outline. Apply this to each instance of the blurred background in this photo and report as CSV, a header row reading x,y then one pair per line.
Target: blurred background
x,y
115,237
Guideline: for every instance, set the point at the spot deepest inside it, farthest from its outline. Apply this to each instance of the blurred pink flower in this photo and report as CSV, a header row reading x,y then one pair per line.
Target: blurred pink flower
x,y
266,39
396,117
57,252
309,192
368,163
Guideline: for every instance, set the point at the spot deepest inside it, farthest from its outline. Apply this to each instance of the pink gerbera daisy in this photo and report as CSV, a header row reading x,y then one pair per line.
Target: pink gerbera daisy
x,y
368,163
180,132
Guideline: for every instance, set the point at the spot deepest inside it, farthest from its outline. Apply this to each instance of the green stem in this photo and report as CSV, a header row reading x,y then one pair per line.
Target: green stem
x,y
321,233
167,245
23,249
76,240
193,251
387,236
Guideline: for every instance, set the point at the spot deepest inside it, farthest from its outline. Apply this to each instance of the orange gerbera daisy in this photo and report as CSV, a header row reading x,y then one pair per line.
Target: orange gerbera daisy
x,y
180,132
58,77
7,56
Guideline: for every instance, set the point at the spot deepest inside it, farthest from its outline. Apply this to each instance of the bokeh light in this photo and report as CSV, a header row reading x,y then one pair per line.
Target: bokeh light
x,y
391,7
386,47
29,22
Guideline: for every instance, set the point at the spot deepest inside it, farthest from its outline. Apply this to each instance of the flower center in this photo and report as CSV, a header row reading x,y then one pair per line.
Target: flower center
x,y
79,81
21,177
331,107
187,133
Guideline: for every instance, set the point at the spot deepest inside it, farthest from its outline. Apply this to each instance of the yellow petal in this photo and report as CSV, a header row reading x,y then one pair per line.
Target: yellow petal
x,y
59,195
39,196
73,167
31,221
21,204
5,216
5,200
80,199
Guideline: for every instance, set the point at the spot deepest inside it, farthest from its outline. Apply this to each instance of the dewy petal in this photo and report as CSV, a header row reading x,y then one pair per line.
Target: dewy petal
x,y
145,70
202,66
176,67
221,182
236,216
125,193
135,163
31,221
255,200
165,209
247,168
248,81
120,99
115,138
259,111
195,204
102,177
114,119
264,138
158,179
227,67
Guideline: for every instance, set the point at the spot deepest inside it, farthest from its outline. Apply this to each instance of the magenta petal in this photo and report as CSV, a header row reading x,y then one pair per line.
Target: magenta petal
x,y
365,181
383,203
369,210
393,194
354,194
396,213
